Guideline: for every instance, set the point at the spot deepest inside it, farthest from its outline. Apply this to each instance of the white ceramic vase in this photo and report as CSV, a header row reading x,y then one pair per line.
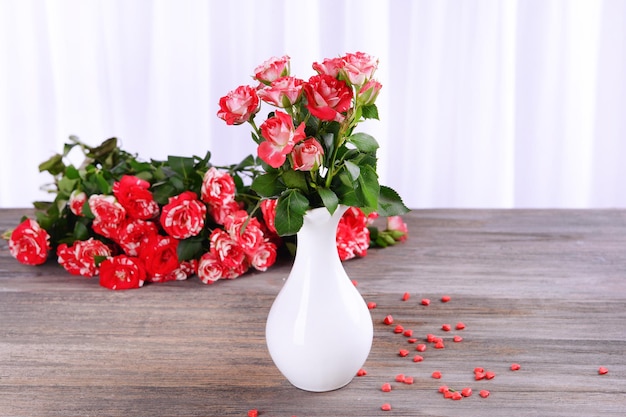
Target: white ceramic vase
x,y
319,330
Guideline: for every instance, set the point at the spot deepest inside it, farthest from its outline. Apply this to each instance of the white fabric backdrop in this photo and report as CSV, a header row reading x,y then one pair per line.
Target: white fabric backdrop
x,y
485,103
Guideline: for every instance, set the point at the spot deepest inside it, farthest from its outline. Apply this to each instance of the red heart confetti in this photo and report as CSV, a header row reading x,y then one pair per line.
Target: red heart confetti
x,y
361,372
403,352
466,392
446,327
371,305
460,325
436,375
408,333
417,358
388,320
425,302
253,413
408,380
406,296
386,387
385,407
515,367
602,370
398,329
399,377
457,339
421,347
445,298
484,393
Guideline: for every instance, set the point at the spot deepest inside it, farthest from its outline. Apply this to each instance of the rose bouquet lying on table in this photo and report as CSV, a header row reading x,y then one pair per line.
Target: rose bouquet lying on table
x,y
132,221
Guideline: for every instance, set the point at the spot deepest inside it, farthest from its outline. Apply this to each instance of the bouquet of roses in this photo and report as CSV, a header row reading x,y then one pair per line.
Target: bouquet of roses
x,y
311,155
132,222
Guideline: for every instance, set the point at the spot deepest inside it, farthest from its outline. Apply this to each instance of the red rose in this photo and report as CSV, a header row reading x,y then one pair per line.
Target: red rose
x,y
353,236
211,269
264,256
280,138
159,255
109,214
183,216
29,243
184,270
122,273
239,105
307,155
79,259
327,97
218,188
272,69
228,251
134,195
283,92
77,201
220,212
268,209
134,233
246,231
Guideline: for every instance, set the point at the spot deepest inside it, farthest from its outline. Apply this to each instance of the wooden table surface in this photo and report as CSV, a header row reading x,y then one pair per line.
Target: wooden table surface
x,y
542,288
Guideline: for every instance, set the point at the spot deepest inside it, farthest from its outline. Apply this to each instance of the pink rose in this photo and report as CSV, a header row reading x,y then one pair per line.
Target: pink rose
x,y
280,138
29,243
79,259
228,251
218,187
330,66
283,92
122,273
109,214
77,201
359,67
239,105
327,97
272,69
264,256
268,209
307,155
399,228
369,92
183,216
159,255
353,236
134,233
134,195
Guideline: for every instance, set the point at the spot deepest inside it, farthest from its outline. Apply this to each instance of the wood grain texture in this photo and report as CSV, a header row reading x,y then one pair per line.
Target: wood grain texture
x,y
543,288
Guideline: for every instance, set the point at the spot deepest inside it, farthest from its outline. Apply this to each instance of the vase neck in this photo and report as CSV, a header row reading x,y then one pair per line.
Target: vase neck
x,y
318,232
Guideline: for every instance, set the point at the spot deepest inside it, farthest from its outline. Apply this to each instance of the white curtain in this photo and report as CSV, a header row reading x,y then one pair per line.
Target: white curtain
x,y
486,103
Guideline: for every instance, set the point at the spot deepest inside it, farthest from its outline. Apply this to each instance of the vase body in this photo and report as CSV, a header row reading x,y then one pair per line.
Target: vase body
x,y
319,330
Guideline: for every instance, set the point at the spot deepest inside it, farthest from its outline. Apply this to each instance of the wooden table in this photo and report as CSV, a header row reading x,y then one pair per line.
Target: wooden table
x,y
542,288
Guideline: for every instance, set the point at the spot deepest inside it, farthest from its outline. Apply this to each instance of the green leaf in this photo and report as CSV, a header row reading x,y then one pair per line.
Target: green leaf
x,y
103,185
290,210
364,142
390,203
370,112
368,189
295,179
267,185
329,198
54,165
181,164
80,231
72,173
163,192
66,185
189,248
353,169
